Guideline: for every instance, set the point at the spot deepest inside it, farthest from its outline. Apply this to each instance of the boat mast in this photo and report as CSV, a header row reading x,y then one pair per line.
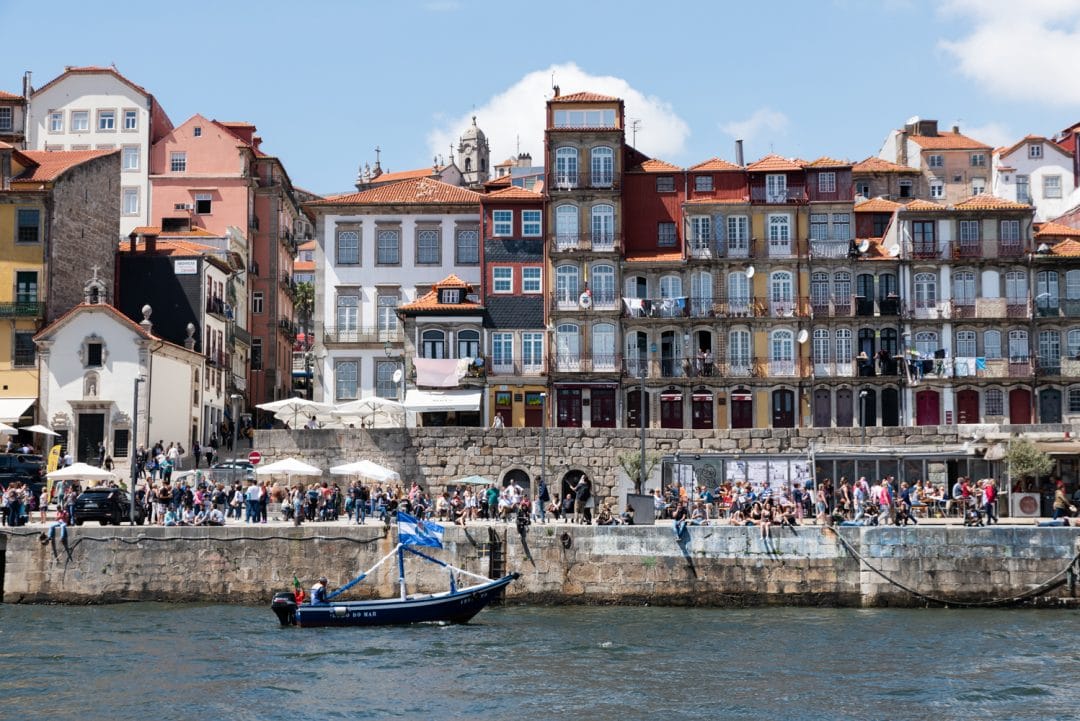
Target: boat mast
x,y
401,570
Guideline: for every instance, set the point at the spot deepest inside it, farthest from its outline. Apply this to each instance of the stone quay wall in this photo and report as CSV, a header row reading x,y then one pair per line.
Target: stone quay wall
x,y
559,564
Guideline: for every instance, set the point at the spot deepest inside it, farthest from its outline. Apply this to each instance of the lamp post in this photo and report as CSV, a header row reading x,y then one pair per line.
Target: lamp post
x,y
641,426
233,397
543,436
135,445
862,404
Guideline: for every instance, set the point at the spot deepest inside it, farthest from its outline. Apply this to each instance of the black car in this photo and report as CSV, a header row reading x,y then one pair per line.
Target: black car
x,y
105,505
24,468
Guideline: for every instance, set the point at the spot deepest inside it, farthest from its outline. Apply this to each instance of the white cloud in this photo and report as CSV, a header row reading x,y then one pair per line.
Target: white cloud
x,y
517,113
765,123
993,134
1019,50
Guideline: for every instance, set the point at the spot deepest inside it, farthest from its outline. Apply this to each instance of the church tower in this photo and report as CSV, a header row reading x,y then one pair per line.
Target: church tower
x,y
474,156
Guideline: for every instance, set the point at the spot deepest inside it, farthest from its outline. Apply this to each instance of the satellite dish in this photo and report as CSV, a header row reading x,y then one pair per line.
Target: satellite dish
x,y
397,376
803,336
750,272
864,245
894,250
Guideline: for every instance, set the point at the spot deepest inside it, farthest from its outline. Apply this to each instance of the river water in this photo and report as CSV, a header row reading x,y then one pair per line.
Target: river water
x,y
156,661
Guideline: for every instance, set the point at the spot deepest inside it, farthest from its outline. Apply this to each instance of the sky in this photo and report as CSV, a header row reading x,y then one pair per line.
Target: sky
x,y
327,82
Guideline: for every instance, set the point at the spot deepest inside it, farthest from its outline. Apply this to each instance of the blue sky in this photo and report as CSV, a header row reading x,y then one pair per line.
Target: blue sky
x,y
325,82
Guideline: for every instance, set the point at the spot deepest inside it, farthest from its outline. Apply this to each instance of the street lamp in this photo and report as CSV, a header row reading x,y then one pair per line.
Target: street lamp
x,y
233,398
641,425
543,438
862,403
133,457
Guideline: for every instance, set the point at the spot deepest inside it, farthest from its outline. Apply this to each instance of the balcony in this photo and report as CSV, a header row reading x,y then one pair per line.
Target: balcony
x,y
965,249
215,305
237,334
830,248
575,363
705,249
1010,249
561,182
791,194
603,300
668,367
923,250
595,242
22,309
928,311
499,366
835,369
217,359
832,307
332,335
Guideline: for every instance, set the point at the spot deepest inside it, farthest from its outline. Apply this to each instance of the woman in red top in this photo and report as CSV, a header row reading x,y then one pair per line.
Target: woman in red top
x,y
990,500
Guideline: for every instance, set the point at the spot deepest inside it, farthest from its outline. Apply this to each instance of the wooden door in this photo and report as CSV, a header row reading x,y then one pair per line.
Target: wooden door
x,y
822,408
927,408
967,406
845,408
603,408
742,411
1050,405
783,415
1020,405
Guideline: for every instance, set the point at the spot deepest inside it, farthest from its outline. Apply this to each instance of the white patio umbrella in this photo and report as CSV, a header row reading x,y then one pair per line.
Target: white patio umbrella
x,y
81,472
367,469
6,429
289,410
290,467
369,408
472,481
43,430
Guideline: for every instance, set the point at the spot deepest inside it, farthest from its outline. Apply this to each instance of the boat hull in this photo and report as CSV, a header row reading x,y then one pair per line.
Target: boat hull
x,y
456,607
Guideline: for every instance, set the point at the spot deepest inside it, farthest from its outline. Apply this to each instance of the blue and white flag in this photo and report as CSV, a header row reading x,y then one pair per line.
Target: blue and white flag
x,y
414,532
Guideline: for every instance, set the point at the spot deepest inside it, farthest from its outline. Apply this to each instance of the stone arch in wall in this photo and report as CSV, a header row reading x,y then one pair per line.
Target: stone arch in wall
x,y
569,478
517,475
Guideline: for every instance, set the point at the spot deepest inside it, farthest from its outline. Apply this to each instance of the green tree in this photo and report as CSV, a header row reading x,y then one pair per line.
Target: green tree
x,y
1026,460
304,301
630,462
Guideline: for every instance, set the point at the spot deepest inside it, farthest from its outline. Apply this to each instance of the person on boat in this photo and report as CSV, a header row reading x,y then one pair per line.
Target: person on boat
x,y
318,591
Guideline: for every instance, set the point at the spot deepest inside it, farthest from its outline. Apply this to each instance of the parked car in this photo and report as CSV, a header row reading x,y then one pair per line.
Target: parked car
x,y
105,505
233,470
24,468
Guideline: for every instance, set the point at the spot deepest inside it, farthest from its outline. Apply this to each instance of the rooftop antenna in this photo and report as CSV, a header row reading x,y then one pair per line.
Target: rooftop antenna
x,y
634,125
517,144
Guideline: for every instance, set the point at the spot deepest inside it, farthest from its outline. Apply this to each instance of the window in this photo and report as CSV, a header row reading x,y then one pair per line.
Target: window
x,y
826,182
467,247
602,162
862,188
256,354
178,161
566,167
603,285
1016,287
881,223
93,355
842,286
994,402
937,188
819,290
428,247
131,120
502,352
603,346
6,118
106,121
203,203
821,347
739,351
566,225
925,290
978,160
969,231
468,344
389,246
502,279
80,121
782,350
776,188
665,184
24,351
923,233
347,316
450,296
567,345
566,284
666,235
907,189
1035,150
130,157
844,353
964,287
978,186
130,201
29,225
26,286
385,387
532,351
1051,186
992,344
531,224
1010,232
502,222
433,344
926,342
1050,349
782,293
700,231
603,226
738,286
348,248
346,380
738,235
604,118
819,226
703,183
1023,189
388,321
530,279
1018,346
935,161
196,131
1072,343
257,302
965,344
779,234
56,122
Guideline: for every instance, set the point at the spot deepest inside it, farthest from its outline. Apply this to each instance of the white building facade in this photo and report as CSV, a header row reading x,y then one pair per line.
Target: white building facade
x,y
375,251
96,108
1036,171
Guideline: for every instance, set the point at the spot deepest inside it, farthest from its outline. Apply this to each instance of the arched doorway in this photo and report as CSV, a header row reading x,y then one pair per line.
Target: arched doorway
x,y
1049,405
520,477
671,409
890,407
822,408
868,407
569,480
927,408
783,407
742,409
967,406
845,408
1020,405
633,409
701,409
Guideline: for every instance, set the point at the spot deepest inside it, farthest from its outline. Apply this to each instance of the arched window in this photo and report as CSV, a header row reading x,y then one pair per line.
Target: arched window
x,y
1046,292
994,402
566,226
966,344
1016,287
926,342
701,294
782,293
738,293
603,227
636,286
603,347
670,291
842,287
819,290
992,344
844,353
1018,346
433,344
739,352
964,287
468,344
782,353
568,347
602,285
925,290
1072,343
822,346
603,167
567,284
566,167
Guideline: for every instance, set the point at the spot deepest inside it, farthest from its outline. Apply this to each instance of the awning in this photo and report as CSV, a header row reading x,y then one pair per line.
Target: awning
x,y
671,396
702,397
436,401
12,409
1059,448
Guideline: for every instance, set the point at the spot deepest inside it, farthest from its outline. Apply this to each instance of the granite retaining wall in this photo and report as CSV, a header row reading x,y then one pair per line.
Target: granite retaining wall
x,y
714,566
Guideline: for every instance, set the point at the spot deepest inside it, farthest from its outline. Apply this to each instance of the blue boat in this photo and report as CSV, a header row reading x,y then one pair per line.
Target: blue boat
x,y
457,605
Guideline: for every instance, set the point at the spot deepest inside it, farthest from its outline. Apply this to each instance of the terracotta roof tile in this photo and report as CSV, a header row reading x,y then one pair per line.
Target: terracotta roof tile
x,y
715,164
584,97
118,316
654,257
718,201
400,175
4,95
877,205
500,182
303,266
876,251
92,70
825,163
430,300
947,140
1057,230
419,191
921,206
51,164
880,165
515,193
1067,248
990,202
157,231
773,162
652,165
452,281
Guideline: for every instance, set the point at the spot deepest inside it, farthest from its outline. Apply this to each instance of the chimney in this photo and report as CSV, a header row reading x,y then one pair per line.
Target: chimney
x,y
556,91
956,129
26,87
901,147
5,168
738,153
